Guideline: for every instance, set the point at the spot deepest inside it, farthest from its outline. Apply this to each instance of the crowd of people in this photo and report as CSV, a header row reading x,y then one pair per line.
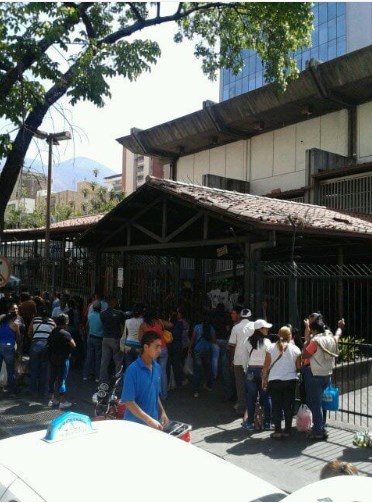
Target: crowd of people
x,y
257,368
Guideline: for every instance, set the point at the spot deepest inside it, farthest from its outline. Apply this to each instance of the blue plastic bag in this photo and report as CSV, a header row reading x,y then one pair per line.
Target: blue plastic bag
x,y
330,398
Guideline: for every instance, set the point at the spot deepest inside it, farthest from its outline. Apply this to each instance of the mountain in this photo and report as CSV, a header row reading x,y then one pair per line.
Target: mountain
x,y
66,174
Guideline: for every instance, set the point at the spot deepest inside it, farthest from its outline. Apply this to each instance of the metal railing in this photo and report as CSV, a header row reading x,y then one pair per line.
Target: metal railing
x,y
349,193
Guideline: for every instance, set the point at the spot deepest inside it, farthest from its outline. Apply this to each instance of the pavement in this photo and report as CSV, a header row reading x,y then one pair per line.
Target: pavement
x,y
288,464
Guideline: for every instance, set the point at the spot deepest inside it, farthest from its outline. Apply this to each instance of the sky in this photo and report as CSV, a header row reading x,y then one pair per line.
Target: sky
x,y
175,87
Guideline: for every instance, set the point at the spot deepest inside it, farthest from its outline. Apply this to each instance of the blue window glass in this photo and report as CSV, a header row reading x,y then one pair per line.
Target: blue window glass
x,y
323,52
341,46
259,79
225,95
245,69
314,37
238,88
245,85
332,29
332,10
341,26
341,8
252,83
316,15
232,90
332,49
323,34
322,12
252,65
314,52
305,57
226,77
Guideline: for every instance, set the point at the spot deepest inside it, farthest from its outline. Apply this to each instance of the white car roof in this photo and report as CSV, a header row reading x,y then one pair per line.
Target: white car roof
x,y
123,461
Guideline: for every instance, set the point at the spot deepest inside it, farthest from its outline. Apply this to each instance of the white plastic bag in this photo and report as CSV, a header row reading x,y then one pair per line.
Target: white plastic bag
x,y
304,418
3,376
187,368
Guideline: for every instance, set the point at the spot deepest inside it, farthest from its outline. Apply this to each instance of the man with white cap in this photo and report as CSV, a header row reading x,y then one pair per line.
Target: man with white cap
x,y
238,356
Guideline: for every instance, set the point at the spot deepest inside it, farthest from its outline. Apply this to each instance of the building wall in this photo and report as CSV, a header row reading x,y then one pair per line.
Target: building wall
x,y
364,126
276,159
358,25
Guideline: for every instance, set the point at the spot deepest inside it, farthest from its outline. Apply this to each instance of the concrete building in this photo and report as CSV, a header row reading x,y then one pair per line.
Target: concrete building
x,y
135,168
114,183
339,28
312,143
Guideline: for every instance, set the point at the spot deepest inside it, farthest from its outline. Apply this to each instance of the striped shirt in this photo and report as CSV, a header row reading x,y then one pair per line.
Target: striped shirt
x,y
41,328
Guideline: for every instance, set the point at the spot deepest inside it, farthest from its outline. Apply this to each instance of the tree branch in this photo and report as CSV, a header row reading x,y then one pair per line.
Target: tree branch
x,y
135,11
177,16
12,75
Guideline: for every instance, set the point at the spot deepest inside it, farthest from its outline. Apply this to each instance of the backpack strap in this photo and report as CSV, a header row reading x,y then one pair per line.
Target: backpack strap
x,y
276,360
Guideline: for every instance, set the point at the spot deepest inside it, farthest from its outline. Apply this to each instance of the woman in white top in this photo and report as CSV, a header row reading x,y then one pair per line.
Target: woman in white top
x,y
257,345
279,373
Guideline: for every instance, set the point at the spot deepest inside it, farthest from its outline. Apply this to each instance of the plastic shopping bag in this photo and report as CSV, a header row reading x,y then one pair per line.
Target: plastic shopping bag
x,y
330,398
187,368
3,376
304,418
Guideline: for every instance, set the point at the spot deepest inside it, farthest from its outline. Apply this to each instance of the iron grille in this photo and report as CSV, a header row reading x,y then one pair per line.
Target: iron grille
x,y
352,193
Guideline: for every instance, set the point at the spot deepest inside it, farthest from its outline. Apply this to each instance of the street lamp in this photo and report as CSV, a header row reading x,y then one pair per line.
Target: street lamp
x,y
51,139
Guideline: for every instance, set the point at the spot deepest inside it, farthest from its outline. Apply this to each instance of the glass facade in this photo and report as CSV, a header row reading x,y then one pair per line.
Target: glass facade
x,y
328,42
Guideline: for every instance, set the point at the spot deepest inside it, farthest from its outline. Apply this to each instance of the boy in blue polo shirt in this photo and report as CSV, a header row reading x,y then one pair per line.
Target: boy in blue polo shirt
x,y
142,386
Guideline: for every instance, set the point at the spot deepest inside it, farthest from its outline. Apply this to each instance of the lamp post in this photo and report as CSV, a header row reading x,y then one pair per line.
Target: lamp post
x,y
51,139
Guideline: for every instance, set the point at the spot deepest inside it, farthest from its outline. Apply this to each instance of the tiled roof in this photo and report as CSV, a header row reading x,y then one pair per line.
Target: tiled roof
x,y
267,211
71,223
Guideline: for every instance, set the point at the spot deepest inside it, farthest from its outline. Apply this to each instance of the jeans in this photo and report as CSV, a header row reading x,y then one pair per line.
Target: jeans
x,y
253,387
202,361
315,385
282,397
228,381
130,356
7,354
162,361
58,376
94,354
110,351
175,361
215,357
39,368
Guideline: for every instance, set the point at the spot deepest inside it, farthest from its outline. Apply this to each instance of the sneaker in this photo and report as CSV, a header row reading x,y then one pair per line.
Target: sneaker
x,y
65,405
207,388
267,426
247,426
53,403
97,380
85,378
196,395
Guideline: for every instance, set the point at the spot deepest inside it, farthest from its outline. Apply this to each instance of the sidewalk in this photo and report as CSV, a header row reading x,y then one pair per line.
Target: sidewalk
x,y
288,464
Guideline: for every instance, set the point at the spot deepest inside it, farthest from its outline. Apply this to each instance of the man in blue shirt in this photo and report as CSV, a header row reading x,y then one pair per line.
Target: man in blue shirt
x,y
142,386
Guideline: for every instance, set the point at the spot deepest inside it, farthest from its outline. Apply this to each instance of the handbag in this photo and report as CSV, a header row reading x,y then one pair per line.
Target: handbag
x,y
188,366
330,398
167,336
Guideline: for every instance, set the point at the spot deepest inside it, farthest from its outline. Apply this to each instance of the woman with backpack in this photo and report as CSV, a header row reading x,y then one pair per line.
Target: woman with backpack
x,y
203,337
39,331
59,346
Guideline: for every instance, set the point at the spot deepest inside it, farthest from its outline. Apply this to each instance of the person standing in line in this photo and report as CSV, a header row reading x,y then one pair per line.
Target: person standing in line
x,y
239,333
7,300
113,320
27,310
141,388
201,342
153,323
129,343
94,346
279,377
98,296
175,348
59,346
222,324
256,347
10,339
39,331
320,349
61,308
